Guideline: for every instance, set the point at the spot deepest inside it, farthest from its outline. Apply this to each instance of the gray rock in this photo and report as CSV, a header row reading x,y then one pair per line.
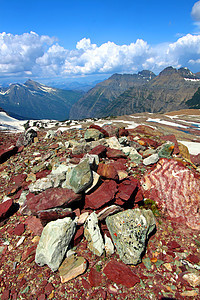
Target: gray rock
x,y
129,231
54,242
92,134
93,235
26,138
50,134
109,247
80,177
93,160
40,185
165,150
152,159
113,143
57,179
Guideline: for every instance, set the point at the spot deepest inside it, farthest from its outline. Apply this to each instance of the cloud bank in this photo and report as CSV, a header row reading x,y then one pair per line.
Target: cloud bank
x,y
31,55
196,11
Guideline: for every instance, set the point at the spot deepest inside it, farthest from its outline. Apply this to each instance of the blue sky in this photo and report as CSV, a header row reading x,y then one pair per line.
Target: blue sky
x,y
65,39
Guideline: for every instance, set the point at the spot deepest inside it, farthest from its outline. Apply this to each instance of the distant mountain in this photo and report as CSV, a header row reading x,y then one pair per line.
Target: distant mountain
x,y
145,92
33,100
94,102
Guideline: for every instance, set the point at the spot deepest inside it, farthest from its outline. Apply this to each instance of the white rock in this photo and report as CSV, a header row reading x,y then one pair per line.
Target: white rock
x,y
82,218
109,247
40,185
192,278
60,169
113,143
152,159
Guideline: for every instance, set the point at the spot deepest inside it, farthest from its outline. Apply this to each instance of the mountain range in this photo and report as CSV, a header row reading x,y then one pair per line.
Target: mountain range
x,y
33,100
125,94
120,94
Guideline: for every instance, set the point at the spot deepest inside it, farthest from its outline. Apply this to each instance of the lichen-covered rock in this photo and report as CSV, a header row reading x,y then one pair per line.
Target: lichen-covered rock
x,y
72,267
129,230
93,235
176,190
165,150
92,134
54,242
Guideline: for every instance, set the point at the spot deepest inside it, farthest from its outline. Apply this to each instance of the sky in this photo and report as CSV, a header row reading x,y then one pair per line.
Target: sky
x,y
58,40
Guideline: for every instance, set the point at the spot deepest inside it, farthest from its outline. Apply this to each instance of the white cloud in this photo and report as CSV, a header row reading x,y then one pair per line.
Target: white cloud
x,y
41,56
196,11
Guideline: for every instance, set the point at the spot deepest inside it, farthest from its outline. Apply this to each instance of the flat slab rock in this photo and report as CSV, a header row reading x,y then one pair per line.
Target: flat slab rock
x,y
129,230
120,274
72,267
51,198
176,190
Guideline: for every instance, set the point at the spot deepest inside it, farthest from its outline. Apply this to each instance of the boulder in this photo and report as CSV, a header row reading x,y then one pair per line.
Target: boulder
x,y
40,185
99,150
176,190
127,189
107,170
152,159
120,274
26,138
93,235
165,150
113,143
54,242
130,230
92,134
109,247
105,133
104,194
114,153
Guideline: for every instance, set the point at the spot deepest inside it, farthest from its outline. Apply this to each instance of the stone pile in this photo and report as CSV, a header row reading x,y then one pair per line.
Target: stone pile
x,y
94,186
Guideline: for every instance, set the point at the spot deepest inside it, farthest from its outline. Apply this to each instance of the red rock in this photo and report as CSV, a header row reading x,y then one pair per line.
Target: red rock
x,y
150,142
173,245
85,284
99,150
193,259
172,139
78,235
105,133
195,159
95,278
107,170
176,190
144,129
104,194
5,295
42,174
121,274
18,179
49,288
53,214
34,224
19,229
126,189
51,198
123,132
7,153
53,146
112,130
74,160
114,153
28,252
5,209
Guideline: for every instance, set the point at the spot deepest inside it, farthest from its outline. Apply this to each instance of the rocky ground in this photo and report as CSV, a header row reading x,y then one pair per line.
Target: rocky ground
x,y
101,212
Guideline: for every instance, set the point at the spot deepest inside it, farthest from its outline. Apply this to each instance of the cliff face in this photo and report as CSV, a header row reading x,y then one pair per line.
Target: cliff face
x,y
168,91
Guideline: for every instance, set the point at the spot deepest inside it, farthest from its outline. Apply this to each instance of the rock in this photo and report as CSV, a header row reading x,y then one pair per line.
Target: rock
x,y
6,209
129,231
5,154
183,150
190,293
147,130
109,247
95,278
113,143
26,138
171,138
99,150
176,190
93,235
62,168
50,134
148,152
123,132
93,160
107,170
53,214
114,153
107,211
135,156
82,218
34,224
112,130
92,134
120,274
122,175
40,185
57,179
104,194
96,180
152,159
165,150
51,198
127,189
54,242
195,159
105,133
80,177
192,278
19,229
72,267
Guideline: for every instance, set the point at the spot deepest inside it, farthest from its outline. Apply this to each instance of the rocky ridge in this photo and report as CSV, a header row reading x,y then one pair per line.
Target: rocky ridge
x,y
104,212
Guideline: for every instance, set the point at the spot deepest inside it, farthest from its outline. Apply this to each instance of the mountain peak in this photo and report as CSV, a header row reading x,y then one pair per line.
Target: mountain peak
x,y
168,71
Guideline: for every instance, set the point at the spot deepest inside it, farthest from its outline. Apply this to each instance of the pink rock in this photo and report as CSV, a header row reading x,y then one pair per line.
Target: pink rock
x,y
107,170
176,190
19,229
51,198
104,194
5,154
123,132
121,274
5,209
95,278
195,159
172,139
115,153
34,224
105,133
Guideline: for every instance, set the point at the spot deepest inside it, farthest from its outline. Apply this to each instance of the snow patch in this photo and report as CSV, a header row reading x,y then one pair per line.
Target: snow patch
x,y
193,147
